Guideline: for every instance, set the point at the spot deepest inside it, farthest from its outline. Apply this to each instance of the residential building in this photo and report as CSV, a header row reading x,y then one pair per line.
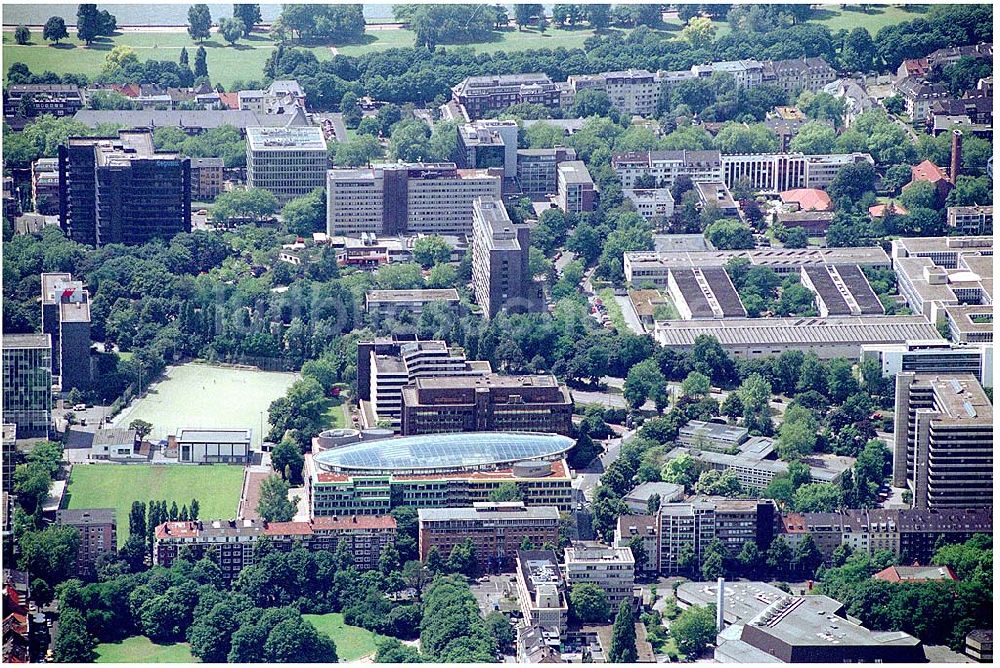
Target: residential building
x,y
798,74
193,122
943,450
277,98
979,645
971,220
953,54
856,99
692,527
66,318
289,162
489,143
230,543
393,303
937,356
541,590
27,383
121,190
10,455
212,446
501,278
662,168
575,187
497,530
537,174
118,443
206,178
716,194
438,471
918,97
480,95
923,530
385,366
490,402
655,266
840,336
45,186
55,99
98,535
419,197
651,203
915,574
632,92
612,569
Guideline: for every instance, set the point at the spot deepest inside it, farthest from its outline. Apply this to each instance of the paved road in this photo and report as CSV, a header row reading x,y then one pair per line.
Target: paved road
x,y
628,312
564,259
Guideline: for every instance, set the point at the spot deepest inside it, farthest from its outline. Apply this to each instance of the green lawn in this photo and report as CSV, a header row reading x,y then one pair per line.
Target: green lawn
x,y
878,16
507,40
336,414
614,310
140,649
216,487
353,642
226,64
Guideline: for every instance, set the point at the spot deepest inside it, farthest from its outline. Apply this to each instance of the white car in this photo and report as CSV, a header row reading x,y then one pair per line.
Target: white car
x,y
80,407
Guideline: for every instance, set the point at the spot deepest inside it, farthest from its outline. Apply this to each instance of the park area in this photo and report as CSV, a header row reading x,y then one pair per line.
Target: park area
x,y
353,642
216,487
202,395
140,649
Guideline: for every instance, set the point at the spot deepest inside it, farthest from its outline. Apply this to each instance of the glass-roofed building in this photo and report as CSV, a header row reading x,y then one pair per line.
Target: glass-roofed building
x,y
438,471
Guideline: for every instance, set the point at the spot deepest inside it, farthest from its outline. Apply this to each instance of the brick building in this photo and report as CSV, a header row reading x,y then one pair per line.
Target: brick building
x,y
98,535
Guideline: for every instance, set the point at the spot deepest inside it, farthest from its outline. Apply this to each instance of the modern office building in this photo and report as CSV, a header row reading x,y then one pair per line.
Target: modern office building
x,y
289,162
541,589
575,187
54,99
206,178
943,450
971,220
438,471
841,290
98,535
651,203
45,186
480,95
712,435
501,278
664,167
931,357
755,464
212,446
27,383
610,568
497,531
435,198
66,318
386,366
537,169
121,190
827,337
10,456
230,543
779,172
441,404
394,303
488,143
654,266
716,194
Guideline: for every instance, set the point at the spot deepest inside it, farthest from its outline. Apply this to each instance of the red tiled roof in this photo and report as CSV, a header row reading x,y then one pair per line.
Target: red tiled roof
x,y
878,211
928,171
288,529
915,573
808,199
354,522
793,523
230,100
177,530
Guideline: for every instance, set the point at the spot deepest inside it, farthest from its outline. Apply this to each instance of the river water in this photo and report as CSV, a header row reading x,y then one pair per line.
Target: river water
x,y
148,14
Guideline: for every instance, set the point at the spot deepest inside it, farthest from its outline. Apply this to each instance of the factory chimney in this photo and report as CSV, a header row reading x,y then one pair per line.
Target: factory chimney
x,y
956,155
720,604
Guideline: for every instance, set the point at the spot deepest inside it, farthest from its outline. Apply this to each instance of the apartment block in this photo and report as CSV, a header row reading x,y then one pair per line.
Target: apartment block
x,y
537,403
27,383
481,95
394,303
66,318
694,526
206,178
496,529
55,99
435,198
45,186
386,366
230,543
610,568
645,529
660,169
541,589
943,450
98,535
537,174
798,74
632,92
575,187
289,162
121,190
277,98
501,277
971,220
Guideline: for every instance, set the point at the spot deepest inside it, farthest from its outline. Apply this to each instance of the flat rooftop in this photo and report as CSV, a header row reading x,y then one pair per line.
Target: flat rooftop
x,y
598,553
743,600
11,341
574,171
493,511
412,295
793,330
487,381
214,435
959,397
918,245
865,256
87,516
75,311
281,139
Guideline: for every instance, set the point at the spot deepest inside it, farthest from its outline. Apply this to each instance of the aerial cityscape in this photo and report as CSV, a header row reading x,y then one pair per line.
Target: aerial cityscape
x,y
497,333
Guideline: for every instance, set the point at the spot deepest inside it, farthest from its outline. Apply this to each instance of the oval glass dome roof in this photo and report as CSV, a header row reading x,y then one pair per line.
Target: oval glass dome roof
x,y
443,452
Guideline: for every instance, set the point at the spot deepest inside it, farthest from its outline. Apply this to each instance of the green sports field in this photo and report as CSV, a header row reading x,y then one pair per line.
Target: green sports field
x,y
216,487
201,395
140,649
353,642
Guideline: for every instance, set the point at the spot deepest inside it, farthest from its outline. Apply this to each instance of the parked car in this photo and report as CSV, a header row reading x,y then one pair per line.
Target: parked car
x,y
80,407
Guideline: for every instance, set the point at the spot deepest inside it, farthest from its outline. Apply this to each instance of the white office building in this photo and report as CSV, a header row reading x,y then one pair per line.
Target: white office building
x,y
290,162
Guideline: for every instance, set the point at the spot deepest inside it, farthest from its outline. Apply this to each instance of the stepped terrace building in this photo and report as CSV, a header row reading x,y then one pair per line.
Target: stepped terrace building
x,y
438,471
